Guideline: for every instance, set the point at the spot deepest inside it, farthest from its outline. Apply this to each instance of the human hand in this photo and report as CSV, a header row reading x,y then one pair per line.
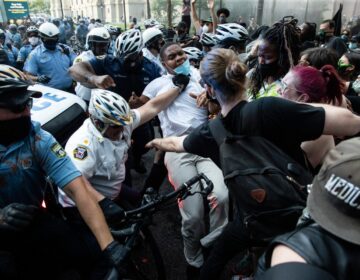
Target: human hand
x,y
17,216
201,99
210,4
43,79
104,81
181,81
116,253
134,101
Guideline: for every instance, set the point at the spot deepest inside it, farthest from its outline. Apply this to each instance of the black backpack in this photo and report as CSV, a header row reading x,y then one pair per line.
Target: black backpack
x,y
268,187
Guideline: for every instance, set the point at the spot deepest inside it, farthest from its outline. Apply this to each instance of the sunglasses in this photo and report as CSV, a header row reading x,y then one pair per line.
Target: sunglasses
x,y
20,107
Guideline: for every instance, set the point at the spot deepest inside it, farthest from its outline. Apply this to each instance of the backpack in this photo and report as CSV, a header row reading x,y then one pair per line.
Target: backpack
x,y
268,187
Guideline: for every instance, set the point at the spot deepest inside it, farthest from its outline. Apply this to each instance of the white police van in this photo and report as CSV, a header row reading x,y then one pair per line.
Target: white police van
x,y
59,112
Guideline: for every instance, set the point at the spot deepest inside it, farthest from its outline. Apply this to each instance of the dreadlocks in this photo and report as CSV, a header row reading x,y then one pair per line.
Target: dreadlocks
x,y
285,37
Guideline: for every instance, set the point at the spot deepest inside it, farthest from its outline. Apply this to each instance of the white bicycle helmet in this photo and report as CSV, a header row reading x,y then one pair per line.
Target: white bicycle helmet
x,y
150,35
150,23
128,42
231,31
208,39
193,53
48,30
109,108
97,35
32,29
111,29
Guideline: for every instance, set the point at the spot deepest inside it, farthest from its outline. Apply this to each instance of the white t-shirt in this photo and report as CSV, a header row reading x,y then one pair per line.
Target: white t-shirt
x,y
99,159
153,58
182,116
82,91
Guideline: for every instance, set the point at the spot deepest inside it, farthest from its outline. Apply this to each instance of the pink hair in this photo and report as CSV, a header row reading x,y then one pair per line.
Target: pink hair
x,y
322,85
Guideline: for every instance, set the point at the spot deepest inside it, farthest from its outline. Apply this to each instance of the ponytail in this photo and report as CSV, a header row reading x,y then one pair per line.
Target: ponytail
x,y
334,85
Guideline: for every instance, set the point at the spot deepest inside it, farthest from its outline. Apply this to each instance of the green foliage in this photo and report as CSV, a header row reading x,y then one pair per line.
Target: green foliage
x,y
159,10
39,6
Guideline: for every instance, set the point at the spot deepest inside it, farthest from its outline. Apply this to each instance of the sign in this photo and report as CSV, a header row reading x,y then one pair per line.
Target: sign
x,y
17,9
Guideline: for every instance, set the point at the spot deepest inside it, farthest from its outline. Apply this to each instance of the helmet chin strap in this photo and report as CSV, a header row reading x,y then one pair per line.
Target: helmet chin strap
x,y
100,126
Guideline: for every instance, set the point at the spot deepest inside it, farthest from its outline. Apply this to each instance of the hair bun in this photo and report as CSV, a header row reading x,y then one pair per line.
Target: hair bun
x,y
235,72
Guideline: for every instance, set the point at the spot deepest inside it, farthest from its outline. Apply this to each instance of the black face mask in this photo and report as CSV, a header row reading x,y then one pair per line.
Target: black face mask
x,y
50,44
267,70
12,131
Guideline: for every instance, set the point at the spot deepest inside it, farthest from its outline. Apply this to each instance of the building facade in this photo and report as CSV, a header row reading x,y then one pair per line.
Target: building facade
x,y
109,11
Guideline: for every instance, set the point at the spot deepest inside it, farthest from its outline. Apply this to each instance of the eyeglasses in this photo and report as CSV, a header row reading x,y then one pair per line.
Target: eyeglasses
x,y
284,86
20,107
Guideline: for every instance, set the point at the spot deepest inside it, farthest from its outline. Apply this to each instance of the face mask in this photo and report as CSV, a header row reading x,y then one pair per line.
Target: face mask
x,y
50,44
352,46
183,68
33,41
222,19
345,38
267,70
321,35
12,131
205,29
356,86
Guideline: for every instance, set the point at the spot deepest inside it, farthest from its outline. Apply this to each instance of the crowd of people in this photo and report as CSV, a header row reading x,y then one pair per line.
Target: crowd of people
x,y
287,83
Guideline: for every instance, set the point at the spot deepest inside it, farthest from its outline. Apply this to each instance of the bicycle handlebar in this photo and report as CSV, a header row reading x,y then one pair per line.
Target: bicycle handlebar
x,y
182,192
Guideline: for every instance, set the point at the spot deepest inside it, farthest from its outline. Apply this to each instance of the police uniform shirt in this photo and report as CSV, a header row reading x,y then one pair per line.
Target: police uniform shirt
x,y
54,64
12,54
99,159
82,91
24,165
125,83
182,115
24,52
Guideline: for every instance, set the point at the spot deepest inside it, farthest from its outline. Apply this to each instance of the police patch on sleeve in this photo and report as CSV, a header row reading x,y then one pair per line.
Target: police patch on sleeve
x,y
80,153
57,150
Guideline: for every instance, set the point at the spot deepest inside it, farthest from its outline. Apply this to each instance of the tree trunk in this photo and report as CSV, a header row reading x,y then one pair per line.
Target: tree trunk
x,y
148,8
169,10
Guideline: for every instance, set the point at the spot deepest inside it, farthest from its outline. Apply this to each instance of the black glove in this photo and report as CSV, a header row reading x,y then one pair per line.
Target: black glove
x,y
17,216
65,49
112,212
181,81
43,79
116,254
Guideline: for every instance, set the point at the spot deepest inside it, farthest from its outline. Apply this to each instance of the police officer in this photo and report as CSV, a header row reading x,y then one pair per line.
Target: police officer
x,y
127,74
10,50
49,62
97,43
4,59
81,32
14,37
114,33
41,243
153,41
32,35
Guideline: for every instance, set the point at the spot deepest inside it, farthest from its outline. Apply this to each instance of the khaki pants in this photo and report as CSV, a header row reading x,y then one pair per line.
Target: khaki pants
x,y
181,167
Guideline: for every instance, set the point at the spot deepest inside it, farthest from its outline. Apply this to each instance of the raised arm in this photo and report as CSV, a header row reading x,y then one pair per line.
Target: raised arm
x,y
211,5
169,144
194,17
83,73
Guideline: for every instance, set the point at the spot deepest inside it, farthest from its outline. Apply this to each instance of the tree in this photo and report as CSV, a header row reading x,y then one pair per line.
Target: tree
x,y
165,13
39,6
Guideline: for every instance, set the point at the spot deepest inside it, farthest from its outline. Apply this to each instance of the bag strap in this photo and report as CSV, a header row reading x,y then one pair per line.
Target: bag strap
x,y
218,130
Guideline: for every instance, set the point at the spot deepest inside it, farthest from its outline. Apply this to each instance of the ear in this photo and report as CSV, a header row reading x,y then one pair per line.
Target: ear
x,y
351,68
304,97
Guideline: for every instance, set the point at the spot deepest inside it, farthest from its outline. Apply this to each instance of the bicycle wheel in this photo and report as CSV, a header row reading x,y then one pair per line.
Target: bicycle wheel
x,y
145,262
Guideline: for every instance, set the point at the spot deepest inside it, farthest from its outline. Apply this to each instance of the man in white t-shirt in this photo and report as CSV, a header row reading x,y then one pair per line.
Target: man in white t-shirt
x,y
97,43
179,119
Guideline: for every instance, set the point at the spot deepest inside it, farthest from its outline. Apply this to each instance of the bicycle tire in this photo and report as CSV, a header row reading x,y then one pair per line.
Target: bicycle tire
x,y
145,260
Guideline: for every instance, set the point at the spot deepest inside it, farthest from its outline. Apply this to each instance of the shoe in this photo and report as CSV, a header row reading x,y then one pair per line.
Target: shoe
x,y
140,167
192,272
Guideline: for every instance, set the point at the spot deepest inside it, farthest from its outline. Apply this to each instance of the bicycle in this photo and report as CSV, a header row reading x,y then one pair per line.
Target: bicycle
x,y
143,260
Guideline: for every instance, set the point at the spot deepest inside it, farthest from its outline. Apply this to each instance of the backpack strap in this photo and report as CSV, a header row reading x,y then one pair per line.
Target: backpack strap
x,y
218,130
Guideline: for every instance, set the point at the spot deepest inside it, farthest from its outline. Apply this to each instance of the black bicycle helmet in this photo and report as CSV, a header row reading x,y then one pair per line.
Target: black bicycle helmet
x,y
14,87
